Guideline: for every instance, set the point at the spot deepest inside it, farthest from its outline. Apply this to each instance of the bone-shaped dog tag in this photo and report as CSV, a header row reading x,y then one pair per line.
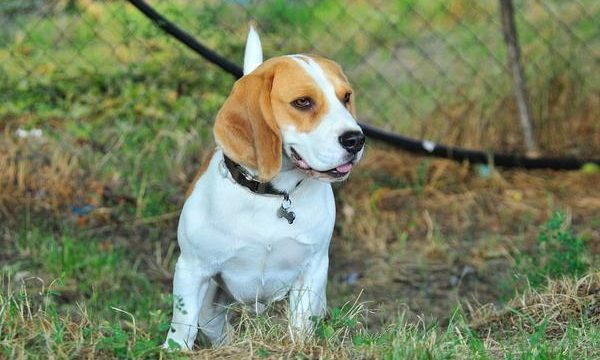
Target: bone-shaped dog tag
x,y
283,211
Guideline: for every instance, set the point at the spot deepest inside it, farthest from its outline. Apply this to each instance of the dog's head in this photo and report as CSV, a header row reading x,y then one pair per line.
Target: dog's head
x,y
298,106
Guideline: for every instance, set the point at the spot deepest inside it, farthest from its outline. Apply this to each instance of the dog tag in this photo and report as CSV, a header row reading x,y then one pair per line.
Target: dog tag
x,y
283,211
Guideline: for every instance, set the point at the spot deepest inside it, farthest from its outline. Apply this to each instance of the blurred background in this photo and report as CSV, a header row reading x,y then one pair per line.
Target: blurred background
x,y
430,69
104,120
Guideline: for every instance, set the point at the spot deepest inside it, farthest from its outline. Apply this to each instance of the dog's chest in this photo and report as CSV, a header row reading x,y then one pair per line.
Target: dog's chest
x,y
237,237
265,271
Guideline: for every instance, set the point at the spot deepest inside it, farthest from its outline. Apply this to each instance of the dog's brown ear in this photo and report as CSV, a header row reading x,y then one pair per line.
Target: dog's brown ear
x,y
245,126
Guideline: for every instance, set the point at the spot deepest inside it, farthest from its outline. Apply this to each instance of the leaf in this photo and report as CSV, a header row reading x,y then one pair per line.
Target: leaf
x,y
173,345
328,331
262,352
359,340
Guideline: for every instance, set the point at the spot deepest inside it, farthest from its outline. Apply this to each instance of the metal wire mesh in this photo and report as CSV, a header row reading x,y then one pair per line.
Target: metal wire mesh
x,y
434,69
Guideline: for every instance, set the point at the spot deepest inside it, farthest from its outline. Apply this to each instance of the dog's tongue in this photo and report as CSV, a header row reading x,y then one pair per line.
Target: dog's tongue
x,y
344,168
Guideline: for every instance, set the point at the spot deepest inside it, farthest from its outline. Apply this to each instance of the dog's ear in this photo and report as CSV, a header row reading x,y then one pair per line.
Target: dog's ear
x,y
253,55
245,126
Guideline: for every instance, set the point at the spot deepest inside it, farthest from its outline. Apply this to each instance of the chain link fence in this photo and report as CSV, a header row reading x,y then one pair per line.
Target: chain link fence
x,y
431,69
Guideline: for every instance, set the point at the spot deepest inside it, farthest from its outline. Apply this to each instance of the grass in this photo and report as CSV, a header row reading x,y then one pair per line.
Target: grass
x,y
88,210
561,320
96,283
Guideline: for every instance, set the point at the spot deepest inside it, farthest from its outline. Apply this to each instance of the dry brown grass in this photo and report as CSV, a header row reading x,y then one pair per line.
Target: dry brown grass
x,y
40,174
566,123
554,309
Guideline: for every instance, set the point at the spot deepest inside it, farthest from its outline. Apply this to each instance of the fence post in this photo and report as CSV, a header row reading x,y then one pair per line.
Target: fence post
x,y
509,30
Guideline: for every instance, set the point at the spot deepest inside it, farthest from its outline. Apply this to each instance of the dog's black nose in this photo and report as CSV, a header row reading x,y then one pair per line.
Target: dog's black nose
x,y
352,141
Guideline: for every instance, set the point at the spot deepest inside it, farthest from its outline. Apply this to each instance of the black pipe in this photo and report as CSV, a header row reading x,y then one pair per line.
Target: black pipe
x,y
428,148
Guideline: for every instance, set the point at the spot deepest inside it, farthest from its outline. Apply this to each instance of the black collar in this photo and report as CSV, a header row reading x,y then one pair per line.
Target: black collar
x,y
242,177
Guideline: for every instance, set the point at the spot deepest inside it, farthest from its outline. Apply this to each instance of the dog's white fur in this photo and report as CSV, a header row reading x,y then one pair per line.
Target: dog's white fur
x,y
235,248
253,55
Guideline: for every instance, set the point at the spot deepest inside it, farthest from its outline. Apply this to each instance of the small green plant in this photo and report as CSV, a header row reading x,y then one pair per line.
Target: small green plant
x,y
339,319
558,251
115,340
344,322
564,250
421,180
262,352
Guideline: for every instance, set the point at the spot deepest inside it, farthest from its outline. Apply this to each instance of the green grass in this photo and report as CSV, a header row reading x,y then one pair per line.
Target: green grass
x,y
88,298
34,325
559,251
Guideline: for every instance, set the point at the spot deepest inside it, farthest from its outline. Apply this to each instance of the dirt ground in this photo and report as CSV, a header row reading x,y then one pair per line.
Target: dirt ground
x,y
423,236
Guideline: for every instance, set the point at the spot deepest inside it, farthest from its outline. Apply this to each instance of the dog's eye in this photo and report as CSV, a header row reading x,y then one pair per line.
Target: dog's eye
x,y
346,99
303,103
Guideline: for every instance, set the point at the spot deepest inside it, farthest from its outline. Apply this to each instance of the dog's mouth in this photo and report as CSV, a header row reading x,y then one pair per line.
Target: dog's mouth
x,y
335,173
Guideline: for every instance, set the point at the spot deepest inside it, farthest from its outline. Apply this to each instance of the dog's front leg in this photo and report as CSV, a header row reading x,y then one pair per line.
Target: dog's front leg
x,y
189,287
307,296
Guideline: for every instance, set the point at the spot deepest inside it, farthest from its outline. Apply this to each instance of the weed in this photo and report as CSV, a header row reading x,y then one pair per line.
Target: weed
x,y
557,252
563,252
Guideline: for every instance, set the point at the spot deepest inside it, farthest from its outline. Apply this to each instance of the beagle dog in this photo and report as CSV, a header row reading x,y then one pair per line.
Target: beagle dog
x,y
257,222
